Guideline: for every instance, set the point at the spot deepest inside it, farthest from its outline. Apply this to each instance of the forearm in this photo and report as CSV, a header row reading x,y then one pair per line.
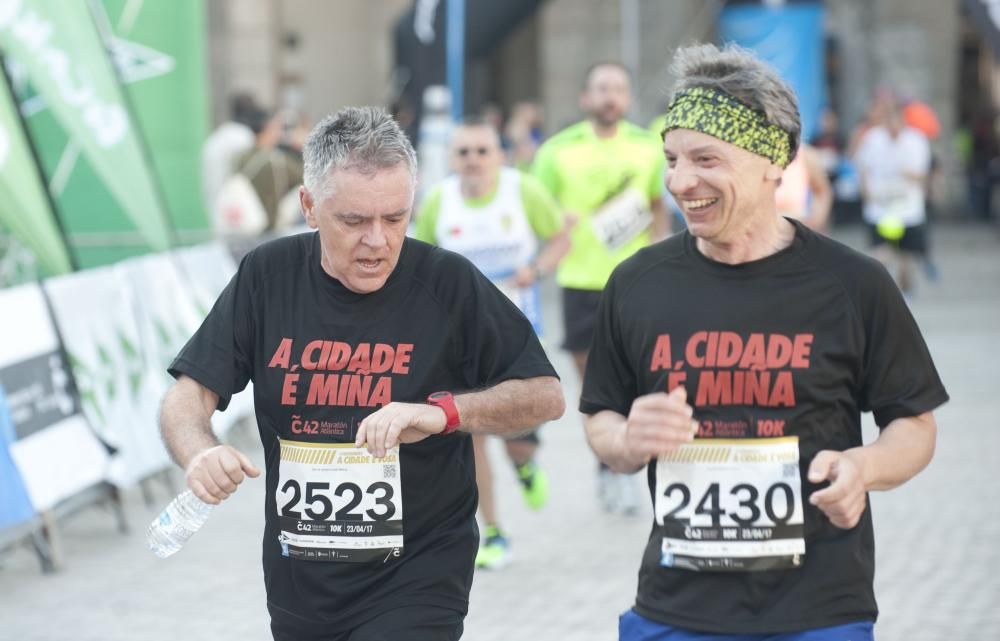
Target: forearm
x,y
606,437
186,420
553,252
903,449
512,406
820,211
822,191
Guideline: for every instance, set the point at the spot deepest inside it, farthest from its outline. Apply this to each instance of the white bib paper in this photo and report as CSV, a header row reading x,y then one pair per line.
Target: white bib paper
x,y
338,503
731,505
621,219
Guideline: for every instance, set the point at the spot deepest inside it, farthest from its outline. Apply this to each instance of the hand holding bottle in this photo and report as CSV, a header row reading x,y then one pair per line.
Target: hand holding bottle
x,y
214,474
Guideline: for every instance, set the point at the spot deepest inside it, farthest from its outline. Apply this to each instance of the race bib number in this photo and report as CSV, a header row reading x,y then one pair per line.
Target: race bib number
x,y
338,503
621,219
731,505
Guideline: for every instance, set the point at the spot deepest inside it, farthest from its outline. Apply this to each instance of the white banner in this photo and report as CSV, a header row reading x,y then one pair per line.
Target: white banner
x,y
209,268
96,314
55,450
166,314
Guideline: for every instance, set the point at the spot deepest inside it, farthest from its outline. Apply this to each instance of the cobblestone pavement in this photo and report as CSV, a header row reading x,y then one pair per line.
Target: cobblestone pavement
x,y
574,569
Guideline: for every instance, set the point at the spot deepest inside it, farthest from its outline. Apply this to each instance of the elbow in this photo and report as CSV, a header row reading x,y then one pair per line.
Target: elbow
x,y
926,443
919,462
930,433
553,404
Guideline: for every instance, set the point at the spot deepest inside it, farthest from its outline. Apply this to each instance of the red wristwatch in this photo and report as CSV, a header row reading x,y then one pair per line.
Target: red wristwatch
x,y
446,401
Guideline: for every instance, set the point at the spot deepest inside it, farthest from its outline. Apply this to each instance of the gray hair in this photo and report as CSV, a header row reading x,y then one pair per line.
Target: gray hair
x,y
741,74
364,139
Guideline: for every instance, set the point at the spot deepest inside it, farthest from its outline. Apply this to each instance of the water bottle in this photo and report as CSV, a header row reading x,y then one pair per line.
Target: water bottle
x,y
175,525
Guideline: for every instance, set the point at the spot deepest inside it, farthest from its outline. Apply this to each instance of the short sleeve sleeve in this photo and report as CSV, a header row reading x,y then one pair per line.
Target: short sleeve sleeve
x,y
899,379
918,158
425,227
610,379
543,213
219,354
544,169
495,342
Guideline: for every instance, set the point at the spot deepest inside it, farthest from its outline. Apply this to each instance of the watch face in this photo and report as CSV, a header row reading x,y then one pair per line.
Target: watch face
x,y
439,395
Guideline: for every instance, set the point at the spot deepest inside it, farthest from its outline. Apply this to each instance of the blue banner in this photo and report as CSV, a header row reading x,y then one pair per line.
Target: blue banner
x,y
15,506
790,38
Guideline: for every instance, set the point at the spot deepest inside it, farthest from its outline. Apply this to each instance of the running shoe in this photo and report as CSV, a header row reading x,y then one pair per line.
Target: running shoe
x,y
617,493
494,553
607,489
628,495
534,485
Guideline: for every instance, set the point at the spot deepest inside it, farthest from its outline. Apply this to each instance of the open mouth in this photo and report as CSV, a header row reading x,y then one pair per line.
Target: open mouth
x,y
369,265
699,206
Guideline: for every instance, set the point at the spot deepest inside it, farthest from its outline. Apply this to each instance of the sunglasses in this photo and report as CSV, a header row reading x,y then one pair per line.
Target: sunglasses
x,y
465,151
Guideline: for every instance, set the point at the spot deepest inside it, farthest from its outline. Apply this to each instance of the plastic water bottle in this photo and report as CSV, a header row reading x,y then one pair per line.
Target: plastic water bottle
x,y
177,522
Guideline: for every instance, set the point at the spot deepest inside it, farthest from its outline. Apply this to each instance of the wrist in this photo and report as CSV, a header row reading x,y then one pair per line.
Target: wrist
x,y
446,403
195,455
630,461
858,456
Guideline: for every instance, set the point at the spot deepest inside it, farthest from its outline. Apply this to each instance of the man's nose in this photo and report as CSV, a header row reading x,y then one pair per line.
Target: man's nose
x,y
680,179
375,237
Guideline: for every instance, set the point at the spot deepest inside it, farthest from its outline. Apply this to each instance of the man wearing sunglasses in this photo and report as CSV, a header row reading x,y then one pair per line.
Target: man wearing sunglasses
x,y
509,226
605,173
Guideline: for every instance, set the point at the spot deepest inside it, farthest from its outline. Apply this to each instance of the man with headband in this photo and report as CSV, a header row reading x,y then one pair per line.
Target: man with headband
x,y
732,362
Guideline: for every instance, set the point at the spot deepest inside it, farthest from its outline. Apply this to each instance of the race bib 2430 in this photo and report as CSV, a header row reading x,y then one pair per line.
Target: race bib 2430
x,y
731,505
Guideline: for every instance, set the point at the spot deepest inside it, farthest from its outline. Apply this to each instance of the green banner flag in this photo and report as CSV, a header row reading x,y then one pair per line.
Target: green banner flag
x,y
24,206
159,49
63,57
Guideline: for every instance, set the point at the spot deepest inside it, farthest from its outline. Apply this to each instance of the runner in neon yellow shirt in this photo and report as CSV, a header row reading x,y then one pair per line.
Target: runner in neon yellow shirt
x,y
496,217
607,175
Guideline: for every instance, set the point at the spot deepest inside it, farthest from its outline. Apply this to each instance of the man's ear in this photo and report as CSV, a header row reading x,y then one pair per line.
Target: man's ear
x,y
774,172
306,201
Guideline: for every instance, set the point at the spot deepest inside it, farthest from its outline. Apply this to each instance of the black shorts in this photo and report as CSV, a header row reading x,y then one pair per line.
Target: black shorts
x,y
411,623
579,318
914,239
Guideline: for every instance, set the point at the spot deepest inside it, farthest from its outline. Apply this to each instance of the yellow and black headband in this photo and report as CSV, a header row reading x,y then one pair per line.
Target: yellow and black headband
x,y
720,115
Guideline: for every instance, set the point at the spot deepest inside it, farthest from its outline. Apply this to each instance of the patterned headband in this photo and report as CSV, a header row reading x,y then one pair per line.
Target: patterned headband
x,y
722,116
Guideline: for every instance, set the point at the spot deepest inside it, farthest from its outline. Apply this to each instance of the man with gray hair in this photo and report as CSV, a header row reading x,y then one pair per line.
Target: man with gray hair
x,y
733,362
374,358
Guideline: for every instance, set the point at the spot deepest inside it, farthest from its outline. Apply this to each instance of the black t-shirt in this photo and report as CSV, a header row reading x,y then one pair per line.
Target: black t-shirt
x,y
321,359
796,344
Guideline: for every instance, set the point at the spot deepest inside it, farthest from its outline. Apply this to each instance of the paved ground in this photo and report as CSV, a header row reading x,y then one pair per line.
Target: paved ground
x,y
574,572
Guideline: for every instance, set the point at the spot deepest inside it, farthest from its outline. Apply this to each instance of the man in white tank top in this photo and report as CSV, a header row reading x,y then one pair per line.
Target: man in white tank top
x,y
511,228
